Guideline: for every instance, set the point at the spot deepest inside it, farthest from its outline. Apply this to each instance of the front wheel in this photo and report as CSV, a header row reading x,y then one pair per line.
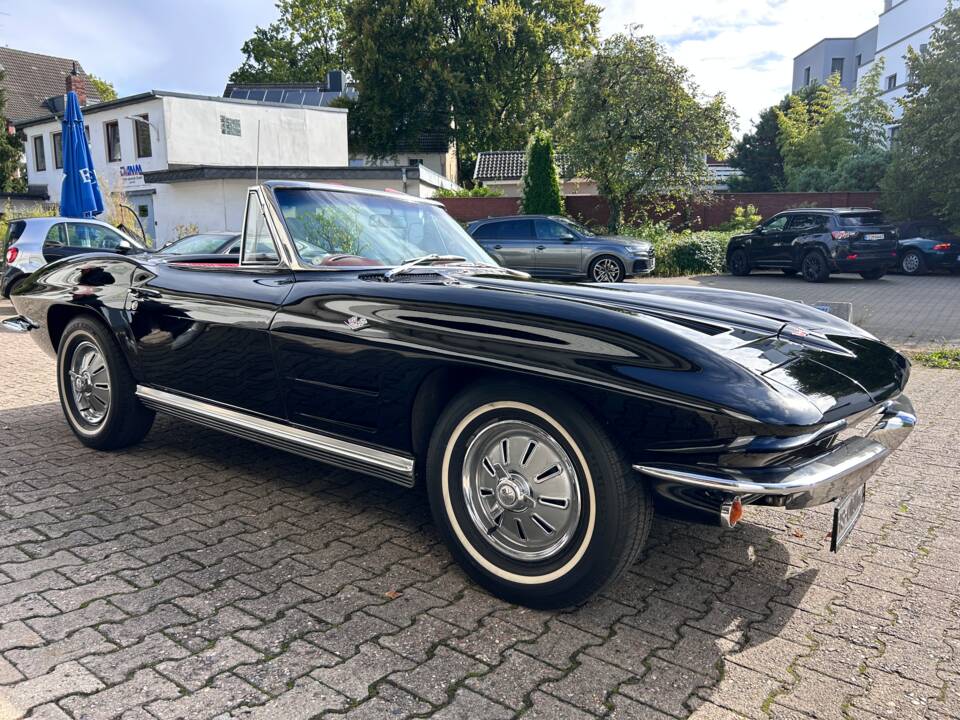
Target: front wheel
x,y
532,498
606,269
738,262
97,390
873,274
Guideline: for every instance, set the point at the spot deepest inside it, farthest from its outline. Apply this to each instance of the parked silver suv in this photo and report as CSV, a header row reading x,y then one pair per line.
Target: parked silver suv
x,y
32,243
551,246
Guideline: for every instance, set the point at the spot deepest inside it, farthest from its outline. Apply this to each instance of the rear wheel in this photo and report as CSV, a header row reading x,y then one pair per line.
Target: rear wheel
x,y
97,390
912,262
814,267
738,262
873,274
531,496
606,269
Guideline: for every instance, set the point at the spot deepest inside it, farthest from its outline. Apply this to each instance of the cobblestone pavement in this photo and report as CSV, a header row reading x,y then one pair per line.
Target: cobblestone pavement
x,y
902,310
199,576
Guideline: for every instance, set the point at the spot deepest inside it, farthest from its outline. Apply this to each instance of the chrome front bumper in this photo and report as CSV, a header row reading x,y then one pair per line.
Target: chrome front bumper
x,y
822,479
18,324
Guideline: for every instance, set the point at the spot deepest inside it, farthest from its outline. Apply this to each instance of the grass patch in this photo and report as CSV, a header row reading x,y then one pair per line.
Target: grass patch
x,y
946,358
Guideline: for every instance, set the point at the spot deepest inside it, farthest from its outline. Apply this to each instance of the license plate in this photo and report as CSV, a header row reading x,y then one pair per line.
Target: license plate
x,y
874,236
846,512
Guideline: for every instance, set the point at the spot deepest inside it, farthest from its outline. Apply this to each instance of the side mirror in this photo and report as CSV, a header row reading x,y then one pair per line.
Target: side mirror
x,y
758,230
124,247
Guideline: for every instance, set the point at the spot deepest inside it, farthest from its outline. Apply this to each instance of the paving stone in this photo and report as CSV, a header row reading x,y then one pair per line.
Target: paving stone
x,y
432,679
68,679
588,685
141,601
354,677
547,707
29,568
389,702
489,641
83,595
195,671
467,704
305,700
39,661
278,673
199,634
271,637
134,629
222,695
144,687
18,635
116,666
418,640
346,638
59,626
512,680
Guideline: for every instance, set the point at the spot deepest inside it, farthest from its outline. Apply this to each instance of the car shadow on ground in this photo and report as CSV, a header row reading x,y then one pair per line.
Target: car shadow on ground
x,y
699,603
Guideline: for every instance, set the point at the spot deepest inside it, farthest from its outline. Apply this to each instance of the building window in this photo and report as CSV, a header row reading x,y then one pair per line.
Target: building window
x,y
923,48
57,139
836,67
806,76
229,126
859,60
112,132
141,131
86,133
415,162
891,81
39,157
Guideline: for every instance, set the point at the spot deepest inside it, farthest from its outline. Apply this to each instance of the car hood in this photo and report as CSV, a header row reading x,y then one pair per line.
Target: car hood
x,y
620,240
818,366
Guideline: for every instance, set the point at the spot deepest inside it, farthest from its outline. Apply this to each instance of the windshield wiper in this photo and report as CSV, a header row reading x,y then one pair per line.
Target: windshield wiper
x,y
422,260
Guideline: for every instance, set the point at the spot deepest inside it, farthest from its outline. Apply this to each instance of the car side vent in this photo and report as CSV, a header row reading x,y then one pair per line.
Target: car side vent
x,y
427,277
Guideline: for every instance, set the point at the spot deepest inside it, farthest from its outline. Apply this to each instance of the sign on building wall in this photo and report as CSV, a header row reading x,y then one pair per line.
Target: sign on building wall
x,y
229,125
131,175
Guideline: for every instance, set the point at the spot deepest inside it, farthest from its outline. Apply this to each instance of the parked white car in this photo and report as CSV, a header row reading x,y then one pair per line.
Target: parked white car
x,y
32,243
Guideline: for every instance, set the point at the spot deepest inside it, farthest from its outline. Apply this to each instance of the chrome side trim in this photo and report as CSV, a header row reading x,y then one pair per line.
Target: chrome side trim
x,y
828,476
311,444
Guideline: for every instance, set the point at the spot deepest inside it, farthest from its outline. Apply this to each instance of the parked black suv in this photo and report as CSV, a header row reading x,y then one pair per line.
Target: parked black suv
x,y
817,242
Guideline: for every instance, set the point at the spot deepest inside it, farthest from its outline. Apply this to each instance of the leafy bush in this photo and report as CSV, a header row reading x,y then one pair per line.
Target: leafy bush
x,y
477,191
686,253
743,219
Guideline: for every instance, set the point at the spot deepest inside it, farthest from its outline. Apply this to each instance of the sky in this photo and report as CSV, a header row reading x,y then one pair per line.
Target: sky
x,y
743,48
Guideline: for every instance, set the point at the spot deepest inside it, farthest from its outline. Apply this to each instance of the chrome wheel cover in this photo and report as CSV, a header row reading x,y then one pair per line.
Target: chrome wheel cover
x,y
89,383
910,263
521,490
606,270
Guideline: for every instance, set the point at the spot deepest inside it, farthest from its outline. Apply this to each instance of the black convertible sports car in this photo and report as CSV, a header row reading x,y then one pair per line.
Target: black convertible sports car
x,y
546,421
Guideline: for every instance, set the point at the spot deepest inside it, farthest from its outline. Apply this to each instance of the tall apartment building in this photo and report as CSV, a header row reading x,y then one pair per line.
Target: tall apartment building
x,y
902,24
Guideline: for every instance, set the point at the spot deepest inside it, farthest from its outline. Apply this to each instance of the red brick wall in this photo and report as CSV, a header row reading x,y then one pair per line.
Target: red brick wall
x,y
593,209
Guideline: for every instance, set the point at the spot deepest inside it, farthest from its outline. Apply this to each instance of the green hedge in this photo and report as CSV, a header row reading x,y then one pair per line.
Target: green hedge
x,y
685,253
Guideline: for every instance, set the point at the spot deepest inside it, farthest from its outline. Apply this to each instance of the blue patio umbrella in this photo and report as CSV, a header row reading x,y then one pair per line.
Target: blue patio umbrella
x,y
80,193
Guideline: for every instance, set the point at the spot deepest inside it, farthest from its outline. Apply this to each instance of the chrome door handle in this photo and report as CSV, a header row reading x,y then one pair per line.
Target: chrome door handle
x,y
497,247
541,247
142,292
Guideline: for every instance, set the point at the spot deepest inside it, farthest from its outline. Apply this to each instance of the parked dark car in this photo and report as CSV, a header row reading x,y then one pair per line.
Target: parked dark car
x,y
551,246
817,242
367,330
208,243
927,245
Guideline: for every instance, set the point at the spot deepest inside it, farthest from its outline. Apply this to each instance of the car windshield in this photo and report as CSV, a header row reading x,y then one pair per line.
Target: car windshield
x,y
576,227
861,219
380,230
196,245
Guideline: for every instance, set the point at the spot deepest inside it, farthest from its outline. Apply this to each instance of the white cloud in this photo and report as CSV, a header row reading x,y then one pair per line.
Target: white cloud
x,y
742,48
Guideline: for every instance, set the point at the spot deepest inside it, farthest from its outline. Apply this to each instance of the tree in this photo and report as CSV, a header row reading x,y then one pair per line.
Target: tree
x,y
105,90
638,126
301,46
12,171
481,73
541,184
924,176
757,155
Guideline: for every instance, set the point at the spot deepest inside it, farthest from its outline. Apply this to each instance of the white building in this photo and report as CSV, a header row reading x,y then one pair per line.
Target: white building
x,y
186,160
903,24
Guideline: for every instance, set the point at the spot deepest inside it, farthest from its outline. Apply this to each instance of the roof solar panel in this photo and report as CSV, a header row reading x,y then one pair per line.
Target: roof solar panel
x,y
274,95
293,97
256,94
238,94
311,97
